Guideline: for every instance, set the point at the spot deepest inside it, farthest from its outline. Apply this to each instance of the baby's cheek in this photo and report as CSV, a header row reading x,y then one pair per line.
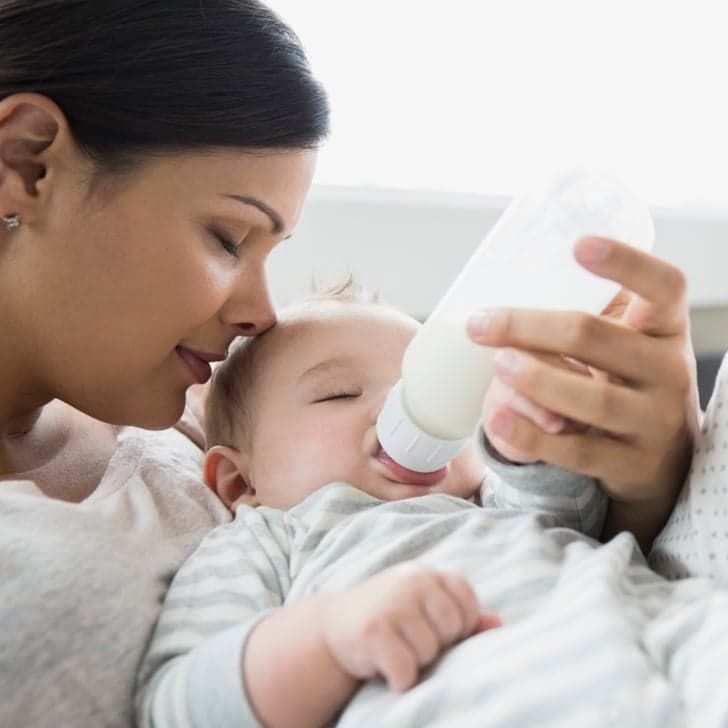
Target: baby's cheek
x,y
466,473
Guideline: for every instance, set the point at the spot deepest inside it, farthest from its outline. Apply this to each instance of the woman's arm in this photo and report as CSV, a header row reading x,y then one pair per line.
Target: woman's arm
x,y
641,405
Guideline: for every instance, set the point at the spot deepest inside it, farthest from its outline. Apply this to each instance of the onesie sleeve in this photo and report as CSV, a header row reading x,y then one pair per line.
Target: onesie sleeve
x,y
575,500
192,672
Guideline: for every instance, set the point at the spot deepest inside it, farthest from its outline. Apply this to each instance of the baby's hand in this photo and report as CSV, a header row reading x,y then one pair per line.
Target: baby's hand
x,y
400,621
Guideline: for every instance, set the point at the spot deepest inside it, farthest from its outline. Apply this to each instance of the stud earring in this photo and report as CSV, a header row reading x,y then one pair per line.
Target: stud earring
x,y
11,221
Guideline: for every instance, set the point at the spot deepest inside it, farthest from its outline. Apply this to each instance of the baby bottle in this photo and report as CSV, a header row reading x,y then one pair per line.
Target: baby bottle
x,y
525,261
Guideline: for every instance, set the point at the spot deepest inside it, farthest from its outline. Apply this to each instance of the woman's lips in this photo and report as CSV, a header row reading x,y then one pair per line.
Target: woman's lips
x,y
200,369
407,476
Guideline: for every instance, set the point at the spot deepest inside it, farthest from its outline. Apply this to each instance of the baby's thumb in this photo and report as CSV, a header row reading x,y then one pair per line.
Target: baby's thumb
x,y
486,621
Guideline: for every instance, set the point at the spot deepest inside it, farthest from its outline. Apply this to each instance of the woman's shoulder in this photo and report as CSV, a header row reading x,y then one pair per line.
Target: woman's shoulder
x,y
86,576
127,474
160,471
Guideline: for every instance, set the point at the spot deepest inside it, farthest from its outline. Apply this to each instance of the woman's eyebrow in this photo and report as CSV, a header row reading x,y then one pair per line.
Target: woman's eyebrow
x,y
271,213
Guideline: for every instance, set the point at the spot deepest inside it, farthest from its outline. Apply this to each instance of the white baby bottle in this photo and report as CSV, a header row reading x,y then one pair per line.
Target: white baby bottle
x,y
526,261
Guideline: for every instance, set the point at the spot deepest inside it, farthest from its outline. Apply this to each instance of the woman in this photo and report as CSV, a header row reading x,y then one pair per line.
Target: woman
x,y
152,153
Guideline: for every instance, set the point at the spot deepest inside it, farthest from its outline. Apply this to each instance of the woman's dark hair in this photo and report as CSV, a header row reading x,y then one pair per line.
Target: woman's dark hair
x,y
139,77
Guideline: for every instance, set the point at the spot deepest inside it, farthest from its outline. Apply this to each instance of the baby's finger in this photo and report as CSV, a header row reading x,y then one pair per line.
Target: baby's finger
x,y
486,621
445,617
420,634
464,599
661,287
395,661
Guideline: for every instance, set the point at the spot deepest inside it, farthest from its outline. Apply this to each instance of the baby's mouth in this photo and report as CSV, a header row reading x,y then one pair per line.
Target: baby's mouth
x,y
404,475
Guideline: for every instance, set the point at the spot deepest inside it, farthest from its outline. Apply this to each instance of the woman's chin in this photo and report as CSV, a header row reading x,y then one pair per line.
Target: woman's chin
x,y
160,419
149,413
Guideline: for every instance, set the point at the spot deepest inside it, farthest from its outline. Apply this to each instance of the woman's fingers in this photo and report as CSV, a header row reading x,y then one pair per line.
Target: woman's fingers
x,y
500,394
596,401
599,457
659,306
603,344
656,307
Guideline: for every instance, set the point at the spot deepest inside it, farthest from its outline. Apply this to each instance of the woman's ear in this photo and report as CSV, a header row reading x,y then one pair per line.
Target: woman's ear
x,y
32,128
224,471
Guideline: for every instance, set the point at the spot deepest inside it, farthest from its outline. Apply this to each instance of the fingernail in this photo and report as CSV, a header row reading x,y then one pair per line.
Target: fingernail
x,y
502,425
594,250
506,361
479,324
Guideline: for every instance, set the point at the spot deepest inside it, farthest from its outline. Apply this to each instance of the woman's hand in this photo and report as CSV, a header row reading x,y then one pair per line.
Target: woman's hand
x,y
631,417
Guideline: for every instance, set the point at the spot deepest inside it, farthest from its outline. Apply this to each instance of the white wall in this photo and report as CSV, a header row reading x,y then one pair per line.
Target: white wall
x,y
409,246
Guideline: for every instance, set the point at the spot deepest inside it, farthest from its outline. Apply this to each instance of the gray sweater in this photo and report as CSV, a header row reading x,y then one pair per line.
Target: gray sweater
x,y
82,583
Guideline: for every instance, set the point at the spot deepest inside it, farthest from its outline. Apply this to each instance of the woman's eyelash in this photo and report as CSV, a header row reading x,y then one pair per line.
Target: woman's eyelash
x,y
229,246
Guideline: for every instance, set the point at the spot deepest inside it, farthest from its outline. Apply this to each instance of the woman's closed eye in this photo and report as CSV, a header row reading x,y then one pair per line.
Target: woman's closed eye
x,y
230,246
231,242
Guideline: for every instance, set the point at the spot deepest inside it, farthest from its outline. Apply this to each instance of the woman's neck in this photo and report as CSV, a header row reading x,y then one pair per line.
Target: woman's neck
x,y
24,443
20,414
21,404
21,410
21,399
16,427
65,454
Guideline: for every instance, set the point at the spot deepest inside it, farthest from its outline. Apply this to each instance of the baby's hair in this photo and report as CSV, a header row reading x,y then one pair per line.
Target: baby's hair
x,y
347,290
228,416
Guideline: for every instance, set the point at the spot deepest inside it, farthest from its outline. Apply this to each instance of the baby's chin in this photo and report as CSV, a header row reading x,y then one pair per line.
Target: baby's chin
x,y
390,490
460,490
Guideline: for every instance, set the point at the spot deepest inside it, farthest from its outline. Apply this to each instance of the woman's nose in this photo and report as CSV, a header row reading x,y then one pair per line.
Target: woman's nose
x,y
249,307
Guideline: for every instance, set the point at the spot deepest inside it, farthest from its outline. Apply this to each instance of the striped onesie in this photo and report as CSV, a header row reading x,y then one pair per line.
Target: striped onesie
x,y
590,636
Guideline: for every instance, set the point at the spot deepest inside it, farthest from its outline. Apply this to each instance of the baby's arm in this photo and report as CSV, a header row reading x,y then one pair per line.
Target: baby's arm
x,y
575,500
191,674
392,625
226,652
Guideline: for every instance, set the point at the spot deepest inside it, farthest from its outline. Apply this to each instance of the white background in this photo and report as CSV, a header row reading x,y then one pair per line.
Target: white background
x,y
443,110
481,95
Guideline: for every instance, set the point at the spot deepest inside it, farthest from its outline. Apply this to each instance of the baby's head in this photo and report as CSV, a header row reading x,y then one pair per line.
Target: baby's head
x,y
295,408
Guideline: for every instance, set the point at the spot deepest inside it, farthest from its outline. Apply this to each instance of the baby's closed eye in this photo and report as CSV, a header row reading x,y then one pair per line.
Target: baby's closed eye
x,y
337,394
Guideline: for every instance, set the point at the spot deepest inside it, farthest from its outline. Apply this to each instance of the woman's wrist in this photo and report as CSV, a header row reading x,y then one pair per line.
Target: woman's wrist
x,y
643,519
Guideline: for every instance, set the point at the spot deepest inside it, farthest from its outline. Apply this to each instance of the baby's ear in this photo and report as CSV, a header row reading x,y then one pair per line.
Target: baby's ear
x,y
224,470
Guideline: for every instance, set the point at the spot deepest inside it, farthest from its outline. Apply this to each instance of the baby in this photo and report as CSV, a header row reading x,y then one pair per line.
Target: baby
x,y
341,566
